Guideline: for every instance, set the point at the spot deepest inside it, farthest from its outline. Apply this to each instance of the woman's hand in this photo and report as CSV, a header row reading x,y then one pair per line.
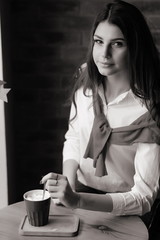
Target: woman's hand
x,y
59,187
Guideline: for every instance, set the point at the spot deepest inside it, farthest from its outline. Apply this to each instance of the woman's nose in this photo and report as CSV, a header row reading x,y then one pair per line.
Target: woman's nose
x,y
107,52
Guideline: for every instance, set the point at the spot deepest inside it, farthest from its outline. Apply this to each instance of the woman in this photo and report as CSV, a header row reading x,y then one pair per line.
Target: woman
x,y
112,144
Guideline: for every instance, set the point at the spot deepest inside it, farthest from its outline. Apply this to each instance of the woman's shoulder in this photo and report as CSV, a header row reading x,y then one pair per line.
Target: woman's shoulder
x,y
82,94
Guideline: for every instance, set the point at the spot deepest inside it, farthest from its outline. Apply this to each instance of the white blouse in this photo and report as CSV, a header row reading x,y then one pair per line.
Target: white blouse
x,y
133,170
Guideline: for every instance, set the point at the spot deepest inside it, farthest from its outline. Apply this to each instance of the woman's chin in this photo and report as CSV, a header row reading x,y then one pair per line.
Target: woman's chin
x,y
105,72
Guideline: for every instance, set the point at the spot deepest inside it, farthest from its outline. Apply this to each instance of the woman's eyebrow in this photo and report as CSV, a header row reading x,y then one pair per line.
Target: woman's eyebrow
x,y
97,36
113,39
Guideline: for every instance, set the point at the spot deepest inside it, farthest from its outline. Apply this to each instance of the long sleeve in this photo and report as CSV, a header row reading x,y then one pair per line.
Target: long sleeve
x,y
71,144
139,200
79,128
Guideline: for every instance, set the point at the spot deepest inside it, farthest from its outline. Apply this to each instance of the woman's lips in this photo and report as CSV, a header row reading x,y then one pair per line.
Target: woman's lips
x,y
106,64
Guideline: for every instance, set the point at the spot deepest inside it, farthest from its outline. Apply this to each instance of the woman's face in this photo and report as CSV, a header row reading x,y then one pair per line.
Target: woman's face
x,y
110,52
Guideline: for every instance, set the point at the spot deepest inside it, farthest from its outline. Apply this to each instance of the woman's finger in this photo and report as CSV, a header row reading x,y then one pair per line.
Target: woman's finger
x,y
49,176
52,189
54,176
51,182
54,195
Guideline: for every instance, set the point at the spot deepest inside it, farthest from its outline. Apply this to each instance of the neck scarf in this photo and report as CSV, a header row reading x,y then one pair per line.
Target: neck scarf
x,y
144,129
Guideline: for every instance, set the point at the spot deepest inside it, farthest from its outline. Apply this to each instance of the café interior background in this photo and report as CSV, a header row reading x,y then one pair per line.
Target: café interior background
x,y
43,42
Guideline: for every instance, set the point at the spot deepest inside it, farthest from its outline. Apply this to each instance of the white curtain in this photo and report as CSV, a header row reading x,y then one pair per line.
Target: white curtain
x,y
3,162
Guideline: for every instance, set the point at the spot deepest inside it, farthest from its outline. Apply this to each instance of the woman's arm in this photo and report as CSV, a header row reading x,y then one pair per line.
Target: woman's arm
x,y
95,202
59,187
70,168
138,201
140,198
71,148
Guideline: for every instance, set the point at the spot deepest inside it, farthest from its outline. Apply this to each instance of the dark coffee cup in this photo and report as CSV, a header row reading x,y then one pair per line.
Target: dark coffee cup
x,y
37,207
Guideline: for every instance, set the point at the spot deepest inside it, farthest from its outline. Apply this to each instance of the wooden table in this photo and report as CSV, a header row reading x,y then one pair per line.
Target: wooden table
x,y
93,225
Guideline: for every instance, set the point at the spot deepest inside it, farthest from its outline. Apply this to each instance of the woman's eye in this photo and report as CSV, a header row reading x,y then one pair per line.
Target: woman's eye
x,y
117,44
98,41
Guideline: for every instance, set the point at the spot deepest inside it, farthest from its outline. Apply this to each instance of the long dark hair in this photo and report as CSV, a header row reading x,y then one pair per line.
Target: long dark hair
x,y
144,62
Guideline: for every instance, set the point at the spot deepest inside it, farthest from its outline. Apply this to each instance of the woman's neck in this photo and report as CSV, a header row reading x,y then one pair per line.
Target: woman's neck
x,y
116,86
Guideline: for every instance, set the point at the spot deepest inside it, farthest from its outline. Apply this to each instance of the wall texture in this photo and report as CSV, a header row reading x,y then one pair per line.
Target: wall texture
x,y
47,40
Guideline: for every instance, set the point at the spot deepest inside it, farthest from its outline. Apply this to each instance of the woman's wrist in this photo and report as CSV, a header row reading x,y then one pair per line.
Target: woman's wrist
x,y
77,200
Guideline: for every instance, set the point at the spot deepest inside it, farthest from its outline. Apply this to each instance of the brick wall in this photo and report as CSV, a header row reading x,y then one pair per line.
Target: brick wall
x,y
47,40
